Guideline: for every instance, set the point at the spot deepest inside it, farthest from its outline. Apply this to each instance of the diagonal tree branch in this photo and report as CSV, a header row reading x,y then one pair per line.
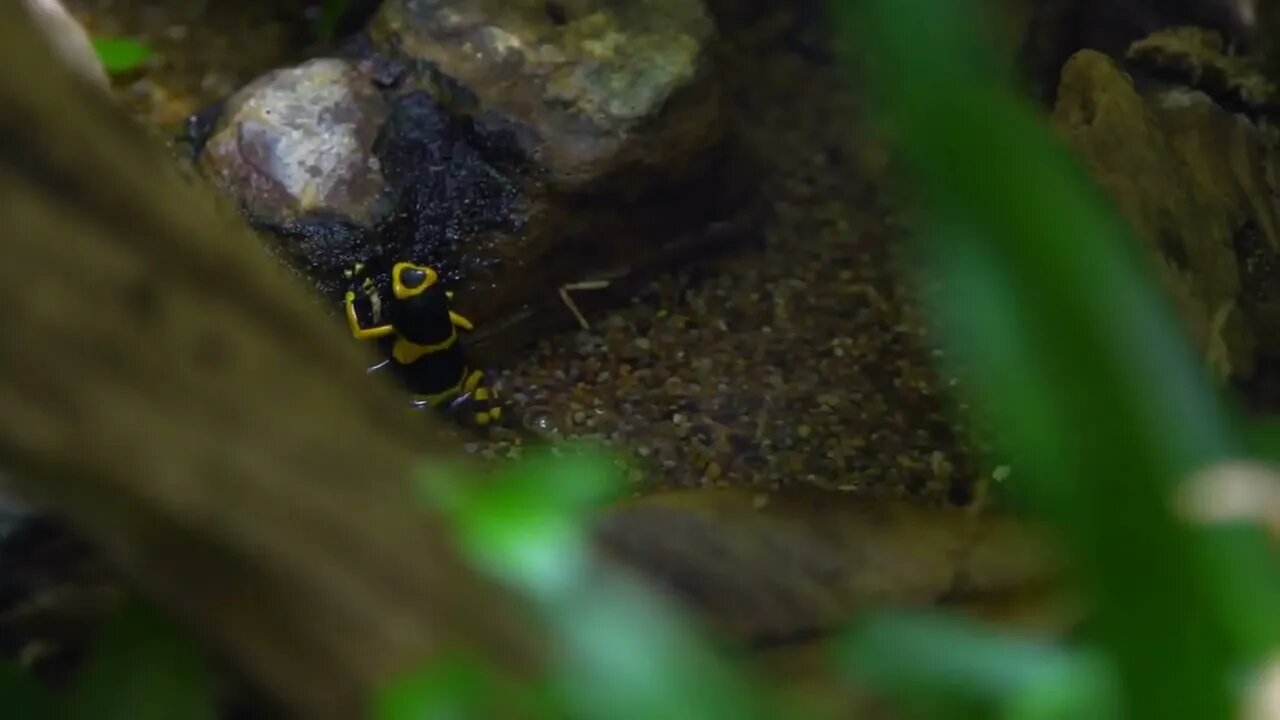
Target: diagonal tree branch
x,y
173,394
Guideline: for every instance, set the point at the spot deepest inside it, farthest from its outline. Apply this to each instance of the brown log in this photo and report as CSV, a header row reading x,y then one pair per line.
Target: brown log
x,y
180,401
777,568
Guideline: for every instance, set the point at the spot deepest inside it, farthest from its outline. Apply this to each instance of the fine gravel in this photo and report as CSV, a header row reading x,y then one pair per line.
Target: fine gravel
x,y
799,362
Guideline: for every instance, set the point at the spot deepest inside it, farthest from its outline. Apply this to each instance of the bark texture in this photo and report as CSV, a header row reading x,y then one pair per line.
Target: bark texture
x,y
180,401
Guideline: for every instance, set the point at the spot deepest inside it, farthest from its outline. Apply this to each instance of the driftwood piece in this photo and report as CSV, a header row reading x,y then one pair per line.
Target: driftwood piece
x,y
173,395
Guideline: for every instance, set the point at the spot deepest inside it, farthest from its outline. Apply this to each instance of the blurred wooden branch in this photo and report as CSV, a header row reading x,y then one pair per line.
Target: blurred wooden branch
x,y
783,567
167,390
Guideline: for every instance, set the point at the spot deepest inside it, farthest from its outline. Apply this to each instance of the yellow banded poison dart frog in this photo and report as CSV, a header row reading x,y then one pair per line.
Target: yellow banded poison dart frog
x,y
425,348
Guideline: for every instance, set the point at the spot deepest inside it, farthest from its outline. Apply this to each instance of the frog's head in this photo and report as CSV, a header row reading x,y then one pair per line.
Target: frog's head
x,y
408,279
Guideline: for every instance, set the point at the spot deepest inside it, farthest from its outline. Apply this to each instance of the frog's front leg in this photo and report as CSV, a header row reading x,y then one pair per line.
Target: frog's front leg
x,y
353,321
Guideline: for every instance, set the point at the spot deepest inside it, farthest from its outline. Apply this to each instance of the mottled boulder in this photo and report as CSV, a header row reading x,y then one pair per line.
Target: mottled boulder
x,y
515,145
589,89
1197,183
609,113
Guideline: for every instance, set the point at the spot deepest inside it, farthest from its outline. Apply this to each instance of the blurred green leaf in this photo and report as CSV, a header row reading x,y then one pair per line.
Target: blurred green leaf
x,y
142,667
527,527
628,654
1040,295
621,650
456,688
1262,437
22,697
121,55
949,667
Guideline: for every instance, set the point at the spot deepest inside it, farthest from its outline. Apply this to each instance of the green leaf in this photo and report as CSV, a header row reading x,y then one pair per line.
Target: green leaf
x,y
626,653
955,668
527,527
1041,298
619,650
121,55
448,689
1263,440
143,667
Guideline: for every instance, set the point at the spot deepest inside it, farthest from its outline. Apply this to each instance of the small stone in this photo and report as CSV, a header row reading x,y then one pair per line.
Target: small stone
x,y
299,141
540,419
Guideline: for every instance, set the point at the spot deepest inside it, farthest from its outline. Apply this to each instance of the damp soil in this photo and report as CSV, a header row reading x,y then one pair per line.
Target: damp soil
x,y
795,360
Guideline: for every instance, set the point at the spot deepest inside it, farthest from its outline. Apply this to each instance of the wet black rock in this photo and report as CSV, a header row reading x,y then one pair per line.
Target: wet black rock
x,y
449,196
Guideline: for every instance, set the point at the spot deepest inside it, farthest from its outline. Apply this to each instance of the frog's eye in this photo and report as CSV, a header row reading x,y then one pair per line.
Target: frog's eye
x,y
409,280
412,278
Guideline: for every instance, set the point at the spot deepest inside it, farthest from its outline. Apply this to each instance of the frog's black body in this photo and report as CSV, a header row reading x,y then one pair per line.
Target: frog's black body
x,y
425,351
423,321
424,318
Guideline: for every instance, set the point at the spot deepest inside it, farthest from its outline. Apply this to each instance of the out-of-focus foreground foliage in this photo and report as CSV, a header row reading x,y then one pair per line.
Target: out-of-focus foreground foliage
x,y
1039,294
121,55
1040,300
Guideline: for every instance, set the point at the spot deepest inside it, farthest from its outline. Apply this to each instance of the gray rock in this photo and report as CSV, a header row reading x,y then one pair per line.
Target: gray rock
x,y
590,87
298,142
515,146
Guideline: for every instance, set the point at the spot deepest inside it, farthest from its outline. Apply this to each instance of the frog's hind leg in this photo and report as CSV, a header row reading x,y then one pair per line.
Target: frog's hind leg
x,y
479,400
